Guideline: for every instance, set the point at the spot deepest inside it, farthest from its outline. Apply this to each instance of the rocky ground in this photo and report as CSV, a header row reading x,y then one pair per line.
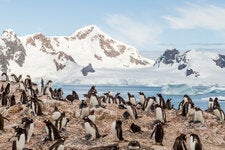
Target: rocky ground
x,y
211,133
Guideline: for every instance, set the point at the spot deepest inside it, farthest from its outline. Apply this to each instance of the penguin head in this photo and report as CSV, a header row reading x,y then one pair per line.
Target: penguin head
x,y
46,121
183,137
159,95
86,119
118,122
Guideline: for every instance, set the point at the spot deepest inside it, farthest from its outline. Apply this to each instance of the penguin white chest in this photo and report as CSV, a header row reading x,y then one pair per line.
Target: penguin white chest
x,y
64,122
113,130
56,115
20,142
92,118
142,99
93,101
133,101
159,114
198,116
61,147
90,130
30,132
192,143
130,111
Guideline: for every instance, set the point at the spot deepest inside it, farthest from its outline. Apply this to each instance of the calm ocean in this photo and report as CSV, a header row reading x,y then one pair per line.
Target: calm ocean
x,y
200,95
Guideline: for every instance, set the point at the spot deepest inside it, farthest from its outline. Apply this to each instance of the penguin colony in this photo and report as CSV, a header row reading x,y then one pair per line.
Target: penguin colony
x,y
46,119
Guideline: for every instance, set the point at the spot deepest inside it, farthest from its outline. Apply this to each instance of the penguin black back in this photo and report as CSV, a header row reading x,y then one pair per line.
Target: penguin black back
x,y
179,143
135,128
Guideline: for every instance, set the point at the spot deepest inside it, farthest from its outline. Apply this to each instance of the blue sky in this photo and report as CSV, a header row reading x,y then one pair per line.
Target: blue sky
x,y
145,24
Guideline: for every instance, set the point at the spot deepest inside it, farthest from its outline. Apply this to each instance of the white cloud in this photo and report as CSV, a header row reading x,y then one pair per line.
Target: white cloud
x,y
198,16
135,32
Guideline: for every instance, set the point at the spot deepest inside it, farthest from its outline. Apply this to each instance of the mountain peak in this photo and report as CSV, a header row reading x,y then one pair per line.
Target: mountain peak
x,y
9,34
85,31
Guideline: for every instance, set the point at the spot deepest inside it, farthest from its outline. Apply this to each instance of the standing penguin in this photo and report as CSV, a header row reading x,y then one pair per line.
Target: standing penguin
x,y
142,98
161,101
116,129
56,114
20,139
61,122
7,89
131,99
91,128
36,106
23,97
5,78
2,122
12,100
4,99
29,127
219,113
210,104
195,143
131,110
160,113
94,99
59,145
158,132
148,103
52,131
198,115
179,143
168,104
84,109
72,97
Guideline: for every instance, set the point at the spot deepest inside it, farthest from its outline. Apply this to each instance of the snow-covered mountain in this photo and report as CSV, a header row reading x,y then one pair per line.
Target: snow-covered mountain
x,y
42,56
192,62
89,45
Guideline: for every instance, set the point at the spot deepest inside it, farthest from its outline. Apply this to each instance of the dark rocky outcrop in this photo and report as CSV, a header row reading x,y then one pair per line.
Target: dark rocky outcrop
x,y
220,61
87,69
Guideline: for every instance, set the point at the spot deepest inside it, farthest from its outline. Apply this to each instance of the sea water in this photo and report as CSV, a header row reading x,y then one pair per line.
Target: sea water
x,y
199,94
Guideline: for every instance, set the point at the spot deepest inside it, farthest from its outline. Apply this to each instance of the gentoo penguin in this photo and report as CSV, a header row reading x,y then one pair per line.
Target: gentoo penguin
x,y
133,145
210,104
59,145
4,99
15,78
72,97
135,128
48,90
20,139
116,129
6,78
158,133
131,99
160,100
23,97
179,143
91,116
219,113
29,127
186,98
195,143
2,122
216,103
94,100
148,104
168,104
142,97
119,99
91,90
56,113
109,98
61,122
91,128
7,88
198,115
160,113
131,110
84,109
12,100
41,87
36,106
52,131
